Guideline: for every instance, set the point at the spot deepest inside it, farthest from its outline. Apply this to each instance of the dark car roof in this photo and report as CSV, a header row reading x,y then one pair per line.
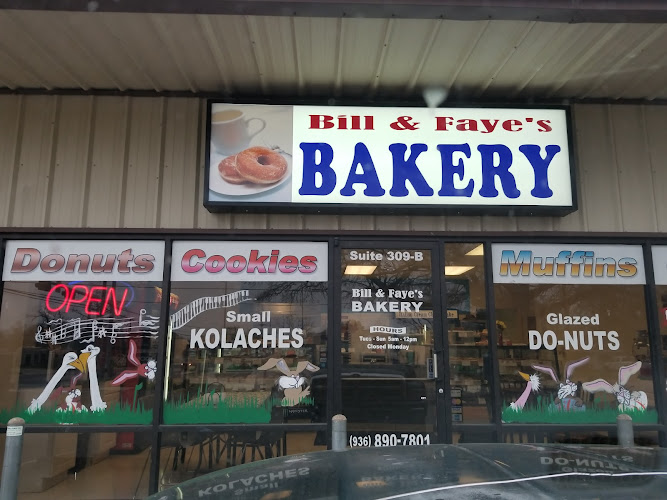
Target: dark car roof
x,y
478,471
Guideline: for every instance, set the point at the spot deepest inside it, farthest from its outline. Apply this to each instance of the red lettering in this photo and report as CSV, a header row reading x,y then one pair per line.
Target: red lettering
x,y
52,263
187,264
512,125
20,265
89,297
51,292
441,122
489,125
256,262
236,263
117,310
143,263
342,122
215,263
466,125
83,260
288,264
72,296
308,264
544,126
273,261
321,121
92,298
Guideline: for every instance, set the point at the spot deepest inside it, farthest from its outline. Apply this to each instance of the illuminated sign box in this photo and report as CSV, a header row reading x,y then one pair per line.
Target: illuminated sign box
x,y
388,160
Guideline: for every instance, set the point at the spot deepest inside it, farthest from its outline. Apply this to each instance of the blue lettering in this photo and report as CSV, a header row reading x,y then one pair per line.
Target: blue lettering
x,y
311,168
540,166
449,170
511,264
369,176
407,170
490,170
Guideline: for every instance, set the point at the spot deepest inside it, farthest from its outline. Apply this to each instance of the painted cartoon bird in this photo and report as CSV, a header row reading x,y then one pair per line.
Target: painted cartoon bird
x,y
635,400
146,370
567,399
96,402
532,385
70,362
72,395
291,383
72,402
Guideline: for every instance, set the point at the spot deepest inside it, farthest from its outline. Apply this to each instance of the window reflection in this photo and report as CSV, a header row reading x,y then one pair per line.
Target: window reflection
x,y
189,454
84,466
246,352
468,337
79,352
387,343
579,353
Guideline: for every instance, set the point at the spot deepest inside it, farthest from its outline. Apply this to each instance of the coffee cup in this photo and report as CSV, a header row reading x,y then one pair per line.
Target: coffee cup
x,y
230,130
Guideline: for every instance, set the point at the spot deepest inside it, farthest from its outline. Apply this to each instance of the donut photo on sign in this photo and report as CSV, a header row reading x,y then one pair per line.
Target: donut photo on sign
x,y
250,152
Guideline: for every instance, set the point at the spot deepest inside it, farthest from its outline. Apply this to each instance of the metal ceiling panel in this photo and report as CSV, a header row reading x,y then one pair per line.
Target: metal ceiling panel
x,y
318,54
357,58
24,44
362,43
450,51
490,53
116,61
407,43
235,60
602,58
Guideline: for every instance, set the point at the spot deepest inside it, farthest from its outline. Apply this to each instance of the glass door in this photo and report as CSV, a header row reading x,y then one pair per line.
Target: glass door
x,y
389,370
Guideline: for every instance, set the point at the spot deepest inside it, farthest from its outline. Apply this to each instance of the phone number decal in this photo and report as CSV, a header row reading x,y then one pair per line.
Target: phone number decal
x,y
378,440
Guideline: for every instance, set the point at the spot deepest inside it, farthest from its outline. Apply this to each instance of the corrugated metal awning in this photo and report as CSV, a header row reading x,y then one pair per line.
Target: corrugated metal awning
x,y
370,58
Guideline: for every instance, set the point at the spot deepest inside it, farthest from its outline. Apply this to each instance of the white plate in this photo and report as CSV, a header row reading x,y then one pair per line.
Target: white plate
x,y
219,185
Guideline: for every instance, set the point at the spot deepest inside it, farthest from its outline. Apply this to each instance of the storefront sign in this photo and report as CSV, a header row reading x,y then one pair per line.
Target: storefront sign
x,y
249,261
83,260
660,264
568,264
97,300
473,160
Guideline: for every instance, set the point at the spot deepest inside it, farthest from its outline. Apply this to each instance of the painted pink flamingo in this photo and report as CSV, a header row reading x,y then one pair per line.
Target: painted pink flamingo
x,y
532,384
146,370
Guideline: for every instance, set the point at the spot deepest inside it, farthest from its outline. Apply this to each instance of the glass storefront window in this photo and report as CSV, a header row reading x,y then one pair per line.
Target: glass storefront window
x,y
246,346
84,466
189,454
77,350
575,333
388,370
468,337
660,272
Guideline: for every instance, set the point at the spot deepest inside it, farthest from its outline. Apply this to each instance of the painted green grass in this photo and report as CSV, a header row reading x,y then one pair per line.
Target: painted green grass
x,y
213,409
248,410
114,414
544,413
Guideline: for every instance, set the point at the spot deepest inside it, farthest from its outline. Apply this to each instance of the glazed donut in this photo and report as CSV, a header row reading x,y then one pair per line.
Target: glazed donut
x,y
228,172
261,165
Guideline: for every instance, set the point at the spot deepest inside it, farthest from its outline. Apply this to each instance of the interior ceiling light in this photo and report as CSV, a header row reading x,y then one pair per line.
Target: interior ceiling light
x,y
457,270
360,270
434,96
478,250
